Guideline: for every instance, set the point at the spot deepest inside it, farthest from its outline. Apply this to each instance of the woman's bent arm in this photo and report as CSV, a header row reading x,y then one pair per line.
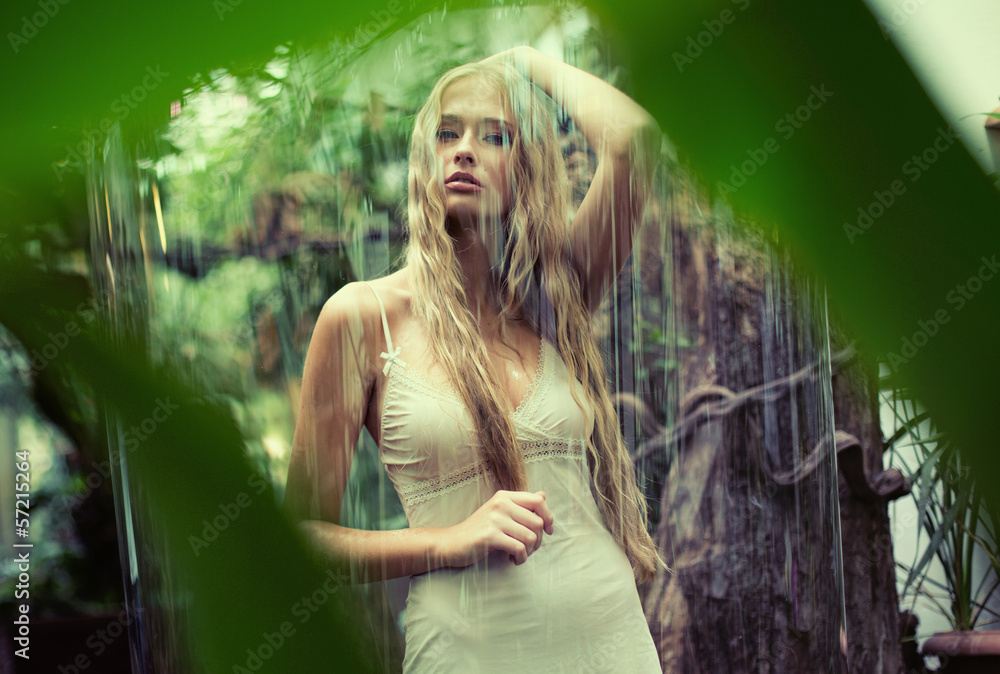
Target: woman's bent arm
x,y
336,387
513,522
380,555
337,383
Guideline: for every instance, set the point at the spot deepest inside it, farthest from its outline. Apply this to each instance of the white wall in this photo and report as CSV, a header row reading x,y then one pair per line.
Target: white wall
x,y
953,47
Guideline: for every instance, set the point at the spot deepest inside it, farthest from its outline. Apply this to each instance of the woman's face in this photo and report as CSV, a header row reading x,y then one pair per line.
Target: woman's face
x,y
473,144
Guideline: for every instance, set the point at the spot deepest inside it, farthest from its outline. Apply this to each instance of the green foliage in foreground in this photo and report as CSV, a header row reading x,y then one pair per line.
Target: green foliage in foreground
x,y
253,583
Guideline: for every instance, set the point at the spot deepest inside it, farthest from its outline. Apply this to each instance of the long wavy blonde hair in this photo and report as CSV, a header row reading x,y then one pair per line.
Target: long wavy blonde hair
x,y
536,283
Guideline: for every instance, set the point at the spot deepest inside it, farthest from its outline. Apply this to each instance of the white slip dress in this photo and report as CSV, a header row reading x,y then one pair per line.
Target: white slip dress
x,y
573,606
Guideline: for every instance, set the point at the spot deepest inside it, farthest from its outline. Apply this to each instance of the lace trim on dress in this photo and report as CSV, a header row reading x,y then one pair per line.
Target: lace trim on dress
x,y
553,449
528,402
426,490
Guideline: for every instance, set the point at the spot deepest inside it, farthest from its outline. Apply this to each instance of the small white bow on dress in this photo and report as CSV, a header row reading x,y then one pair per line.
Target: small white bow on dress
x,y
391,358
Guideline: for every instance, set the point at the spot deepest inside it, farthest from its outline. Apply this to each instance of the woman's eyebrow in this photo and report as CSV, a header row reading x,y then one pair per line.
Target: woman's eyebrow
x,y
500,122
455,119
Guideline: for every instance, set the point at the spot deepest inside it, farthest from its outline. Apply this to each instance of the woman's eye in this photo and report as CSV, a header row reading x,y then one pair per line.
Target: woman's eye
x,y
492,138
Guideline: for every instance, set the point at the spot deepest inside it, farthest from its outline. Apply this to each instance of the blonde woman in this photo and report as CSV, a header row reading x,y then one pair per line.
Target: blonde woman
x,y
475,370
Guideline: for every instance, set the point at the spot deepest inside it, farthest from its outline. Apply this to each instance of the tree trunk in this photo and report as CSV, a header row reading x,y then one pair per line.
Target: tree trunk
x,y
873,633
736,449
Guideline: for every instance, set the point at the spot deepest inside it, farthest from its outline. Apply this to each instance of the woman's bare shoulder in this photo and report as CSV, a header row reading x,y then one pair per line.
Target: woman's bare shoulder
x,y
394,290
355,301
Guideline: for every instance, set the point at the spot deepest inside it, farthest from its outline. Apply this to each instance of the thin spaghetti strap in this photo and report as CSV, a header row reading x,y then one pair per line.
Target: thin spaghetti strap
x,y
393,354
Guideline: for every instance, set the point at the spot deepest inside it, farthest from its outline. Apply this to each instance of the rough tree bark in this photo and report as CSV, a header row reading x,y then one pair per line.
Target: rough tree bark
x,y
873,629
747,516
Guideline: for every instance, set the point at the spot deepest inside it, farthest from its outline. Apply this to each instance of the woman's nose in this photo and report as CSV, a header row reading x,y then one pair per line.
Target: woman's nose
x,y
463,150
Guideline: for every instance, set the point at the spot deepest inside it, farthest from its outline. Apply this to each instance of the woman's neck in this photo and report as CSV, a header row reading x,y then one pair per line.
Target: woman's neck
x,y
479,277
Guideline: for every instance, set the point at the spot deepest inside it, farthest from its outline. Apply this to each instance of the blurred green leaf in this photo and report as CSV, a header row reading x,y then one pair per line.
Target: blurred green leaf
x,y
255,575
722,107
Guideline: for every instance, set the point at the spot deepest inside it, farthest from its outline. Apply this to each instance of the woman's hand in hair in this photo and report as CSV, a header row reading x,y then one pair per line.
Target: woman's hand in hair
x,y
518,56
512,521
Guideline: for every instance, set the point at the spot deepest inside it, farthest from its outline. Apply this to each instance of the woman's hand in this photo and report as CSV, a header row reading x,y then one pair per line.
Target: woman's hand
x,y
512,521
518,56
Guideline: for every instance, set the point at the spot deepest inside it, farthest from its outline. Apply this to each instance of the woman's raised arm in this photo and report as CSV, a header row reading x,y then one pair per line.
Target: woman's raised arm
x,y
626,140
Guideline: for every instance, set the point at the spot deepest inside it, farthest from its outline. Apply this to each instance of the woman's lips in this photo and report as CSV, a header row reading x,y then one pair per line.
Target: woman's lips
x,y
459,186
